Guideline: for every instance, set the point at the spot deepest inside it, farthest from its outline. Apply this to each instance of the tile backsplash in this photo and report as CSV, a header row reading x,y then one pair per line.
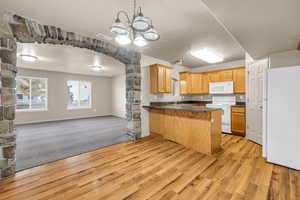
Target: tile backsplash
x,y
204,97
208,97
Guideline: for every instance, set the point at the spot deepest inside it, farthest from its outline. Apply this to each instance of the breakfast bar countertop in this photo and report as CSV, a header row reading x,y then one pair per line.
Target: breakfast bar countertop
x,y
181,107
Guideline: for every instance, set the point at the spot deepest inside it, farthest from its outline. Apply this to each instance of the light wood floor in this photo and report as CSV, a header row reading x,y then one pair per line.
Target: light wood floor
x,y
157,169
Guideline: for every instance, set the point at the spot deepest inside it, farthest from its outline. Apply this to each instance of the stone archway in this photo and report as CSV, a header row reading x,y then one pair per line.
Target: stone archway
x,y
14,28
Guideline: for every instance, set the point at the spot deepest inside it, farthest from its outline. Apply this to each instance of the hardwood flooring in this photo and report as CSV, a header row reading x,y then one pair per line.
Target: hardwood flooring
x,y
153,168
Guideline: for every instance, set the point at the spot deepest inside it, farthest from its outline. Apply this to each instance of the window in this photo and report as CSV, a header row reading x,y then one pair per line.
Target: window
x,y
31,94
79,93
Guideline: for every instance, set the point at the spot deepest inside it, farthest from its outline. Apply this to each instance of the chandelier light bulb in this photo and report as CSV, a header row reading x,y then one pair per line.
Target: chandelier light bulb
x,y
123,39
140,41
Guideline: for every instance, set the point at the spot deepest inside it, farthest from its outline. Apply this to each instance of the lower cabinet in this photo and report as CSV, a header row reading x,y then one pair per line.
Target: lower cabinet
x,y
156,119
238,120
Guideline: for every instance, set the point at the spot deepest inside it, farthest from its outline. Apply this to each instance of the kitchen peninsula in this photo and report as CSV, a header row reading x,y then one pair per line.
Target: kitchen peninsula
x,y
195,127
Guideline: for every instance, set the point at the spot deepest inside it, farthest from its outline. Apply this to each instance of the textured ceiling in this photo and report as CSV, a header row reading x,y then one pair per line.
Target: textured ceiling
x,y
262,27
183,26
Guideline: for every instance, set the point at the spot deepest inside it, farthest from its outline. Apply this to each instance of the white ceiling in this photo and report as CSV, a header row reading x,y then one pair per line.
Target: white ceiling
x,y
262,27
183,26
68,59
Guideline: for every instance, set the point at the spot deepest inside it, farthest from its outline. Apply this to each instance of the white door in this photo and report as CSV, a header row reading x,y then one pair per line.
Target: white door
x,y
255,87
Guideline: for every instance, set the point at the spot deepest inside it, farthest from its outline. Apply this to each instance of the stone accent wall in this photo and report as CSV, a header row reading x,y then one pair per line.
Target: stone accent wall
x,y
25,30
8,72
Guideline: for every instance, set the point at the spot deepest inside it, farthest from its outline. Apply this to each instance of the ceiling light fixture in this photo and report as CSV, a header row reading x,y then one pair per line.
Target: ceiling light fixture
x,y
28,58
207,56
96,68
138,29
123,39
140,41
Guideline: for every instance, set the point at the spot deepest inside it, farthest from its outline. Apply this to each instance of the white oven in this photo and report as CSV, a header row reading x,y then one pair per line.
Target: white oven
x,y
225,103
221,87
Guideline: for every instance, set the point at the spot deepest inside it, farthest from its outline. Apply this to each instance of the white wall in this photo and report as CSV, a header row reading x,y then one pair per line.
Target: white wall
x,y
119,96
219,66
58,97
285,59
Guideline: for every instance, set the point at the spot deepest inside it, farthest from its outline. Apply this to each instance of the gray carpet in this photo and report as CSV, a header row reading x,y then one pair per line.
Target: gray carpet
x,y
41,143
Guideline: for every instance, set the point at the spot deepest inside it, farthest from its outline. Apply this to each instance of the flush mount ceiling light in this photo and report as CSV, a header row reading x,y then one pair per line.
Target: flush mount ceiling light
x,y
138,28
28,58
207,56
96,68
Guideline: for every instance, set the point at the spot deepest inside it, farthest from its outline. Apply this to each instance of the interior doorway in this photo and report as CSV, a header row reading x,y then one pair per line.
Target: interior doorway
x,y
66,106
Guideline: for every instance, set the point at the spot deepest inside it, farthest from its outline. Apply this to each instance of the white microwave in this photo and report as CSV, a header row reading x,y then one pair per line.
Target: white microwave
x,y
221,87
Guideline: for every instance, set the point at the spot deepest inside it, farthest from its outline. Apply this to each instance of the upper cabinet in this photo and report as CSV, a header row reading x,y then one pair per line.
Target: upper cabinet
x,y
193,83
239,77
198,82
184,82
160,78
214,76
226,75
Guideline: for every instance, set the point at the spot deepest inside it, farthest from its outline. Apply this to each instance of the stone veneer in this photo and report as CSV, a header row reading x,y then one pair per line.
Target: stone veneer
x,y
14,28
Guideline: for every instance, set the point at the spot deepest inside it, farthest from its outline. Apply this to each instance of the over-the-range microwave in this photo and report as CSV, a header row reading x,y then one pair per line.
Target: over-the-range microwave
x,y
221,87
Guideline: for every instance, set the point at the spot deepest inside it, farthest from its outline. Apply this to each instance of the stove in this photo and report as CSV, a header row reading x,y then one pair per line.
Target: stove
x,y
225,103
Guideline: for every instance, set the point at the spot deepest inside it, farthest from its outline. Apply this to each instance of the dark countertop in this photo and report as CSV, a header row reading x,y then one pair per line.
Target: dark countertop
x,y
182,107
185,103
180,103
238,106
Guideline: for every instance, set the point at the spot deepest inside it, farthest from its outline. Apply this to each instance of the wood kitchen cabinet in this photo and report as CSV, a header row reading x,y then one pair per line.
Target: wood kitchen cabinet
x,y
156,120
238,120
185,83
198,82
239,77
160,78
193,83
214,76
226,75
205,83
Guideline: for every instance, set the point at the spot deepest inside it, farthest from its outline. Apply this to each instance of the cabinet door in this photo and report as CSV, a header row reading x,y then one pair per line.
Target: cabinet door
x,y
168,80
238,123
183,87
156,118
239,80
153,79
196,83
161,79
205,84
214,77
226,75
183,82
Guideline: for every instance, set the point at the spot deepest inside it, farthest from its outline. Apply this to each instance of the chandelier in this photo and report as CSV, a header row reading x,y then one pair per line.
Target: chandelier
x,y
137,29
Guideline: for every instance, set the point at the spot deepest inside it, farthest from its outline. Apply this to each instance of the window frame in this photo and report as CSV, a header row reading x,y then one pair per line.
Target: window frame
x,y
90,92
46,94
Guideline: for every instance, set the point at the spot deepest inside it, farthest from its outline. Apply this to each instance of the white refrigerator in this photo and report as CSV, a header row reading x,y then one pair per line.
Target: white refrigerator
x,y
283,116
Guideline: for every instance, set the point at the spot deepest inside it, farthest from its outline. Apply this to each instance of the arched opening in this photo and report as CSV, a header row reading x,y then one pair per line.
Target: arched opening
x,y
19,29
